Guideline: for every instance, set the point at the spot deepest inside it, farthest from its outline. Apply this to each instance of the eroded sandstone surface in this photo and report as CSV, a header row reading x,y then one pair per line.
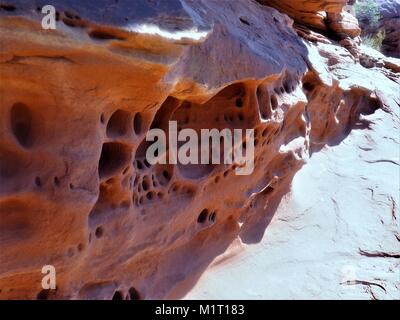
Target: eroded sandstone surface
x,y
76,190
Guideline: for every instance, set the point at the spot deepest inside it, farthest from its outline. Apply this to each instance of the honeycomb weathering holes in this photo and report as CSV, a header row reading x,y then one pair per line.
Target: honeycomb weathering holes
x,y
145,184
308,86
117,295
43,295
22,124
99,232
202,216
150,195
105,35
114,157
205,215
239,102
274,102
212,217
118,125
133,294
8,7
138,123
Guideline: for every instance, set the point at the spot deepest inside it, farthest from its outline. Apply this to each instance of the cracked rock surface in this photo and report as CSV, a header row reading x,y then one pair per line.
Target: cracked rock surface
x,y
318,217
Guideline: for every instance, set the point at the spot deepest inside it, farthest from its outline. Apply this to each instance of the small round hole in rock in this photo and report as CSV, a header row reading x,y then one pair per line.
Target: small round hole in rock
x,y
287,87
99,232
22,124
133,294
38,182
118,125
139,165
104,35
308,86
239,102
137,123
244,21
274,102
117,296
154,180
264,132
8,7
57,181
212,217
150,195
145,184
114,156
166,175
202,216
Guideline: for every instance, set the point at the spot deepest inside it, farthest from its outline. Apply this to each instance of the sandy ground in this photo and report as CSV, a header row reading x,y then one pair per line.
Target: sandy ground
x,y
335,236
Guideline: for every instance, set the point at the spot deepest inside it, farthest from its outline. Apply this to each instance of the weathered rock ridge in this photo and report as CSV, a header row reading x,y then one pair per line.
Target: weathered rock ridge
x,y
76,191
325,16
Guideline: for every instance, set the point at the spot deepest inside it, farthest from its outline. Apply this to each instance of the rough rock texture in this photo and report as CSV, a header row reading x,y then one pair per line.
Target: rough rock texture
x,y
311,13
76,103
331,18
343,24
327,15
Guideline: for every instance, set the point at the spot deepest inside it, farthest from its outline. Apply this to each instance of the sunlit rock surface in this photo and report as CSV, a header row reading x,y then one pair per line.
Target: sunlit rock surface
x,y
76,191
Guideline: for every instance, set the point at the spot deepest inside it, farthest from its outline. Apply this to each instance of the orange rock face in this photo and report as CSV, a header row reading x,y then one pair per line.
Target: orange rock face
x,y
326,16
343,24
311,13
76,191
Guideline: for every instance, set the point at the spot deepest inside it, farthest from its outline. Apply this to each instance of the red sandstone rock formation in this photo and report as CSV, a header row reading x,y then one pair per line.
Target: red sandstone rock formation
x,y
76,191
311,13
328,17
